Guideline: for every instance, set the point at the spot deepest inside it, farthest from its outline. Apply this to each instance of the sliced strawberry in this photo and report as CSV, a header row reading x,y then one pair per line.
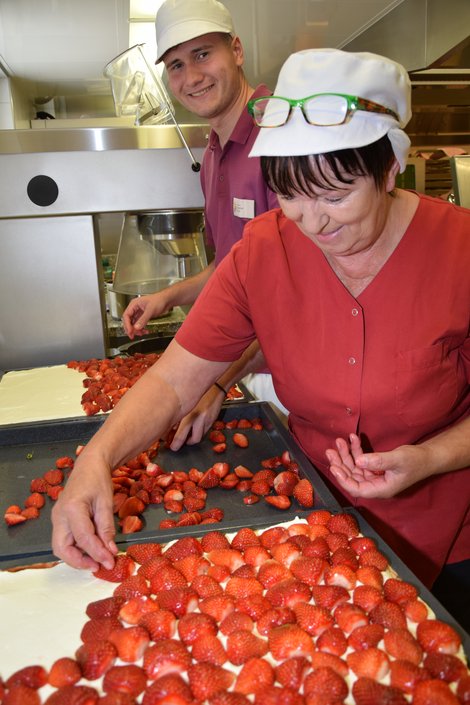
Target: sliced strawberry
x,y
133,586
159,625
170,688
446,667
400,643
136,607
191,566
399,591
30,513
64,671
217,606
218,448
434,635
349,617
370,575
54,491
332,641
179,600
194,626
312,619
99,629
373,557
322,659
405,675
206,679
166,656
54,477
367,597
389,615
206,586
95,657
285,553
131,524
325,685
289,640
344,524
272,695
288,593
256,556
107,607
217,437
243,645
209,649
32,676
228,557
359,544
35,500
416,611
369,663
291,672
255,675
329,596
242,472
129,679
308,570
434,692
12,519
304,494
280,501
254,605
38,484
341,576
240,440
367,691
235,621
366,636
130,642
123,568
243,538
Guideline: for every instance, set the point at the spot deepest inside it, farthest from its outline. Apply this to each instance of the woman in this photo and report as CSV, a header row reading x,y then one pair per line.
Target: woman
x,y
367,337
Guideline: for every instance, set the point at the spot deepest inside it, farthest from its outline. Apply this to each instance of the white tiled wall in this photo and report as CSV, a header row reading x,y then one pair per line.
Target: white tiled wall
x,y
6,111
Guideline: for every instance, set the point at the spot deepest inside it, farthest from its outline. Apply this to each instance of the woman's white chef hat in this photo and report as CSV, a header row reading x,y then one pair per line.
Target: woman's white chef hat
x,y
362,74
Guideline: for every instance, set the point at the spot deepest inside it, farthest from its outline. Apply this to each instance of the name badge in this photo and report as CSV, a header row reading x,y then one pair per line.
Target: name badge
x,y
243,208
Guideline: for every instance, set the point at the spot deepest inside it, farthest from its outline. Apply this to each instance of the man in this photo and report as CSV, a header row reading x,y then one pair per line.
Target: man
x,y
204,58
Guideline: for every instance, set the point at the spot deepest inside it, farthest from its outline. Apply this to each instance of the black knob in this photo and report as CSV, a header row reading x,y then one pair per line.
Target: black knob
x,y
42,190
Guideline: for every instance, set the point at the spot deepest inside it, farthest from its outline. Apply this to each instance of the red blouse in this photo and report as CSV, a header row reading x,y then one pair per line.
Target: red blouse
x,y
392,365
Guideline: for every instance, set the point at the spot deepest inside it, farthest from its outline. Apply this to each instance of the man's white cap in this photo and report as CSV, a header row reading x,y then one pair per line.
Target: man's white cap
x,y
362,74
179,21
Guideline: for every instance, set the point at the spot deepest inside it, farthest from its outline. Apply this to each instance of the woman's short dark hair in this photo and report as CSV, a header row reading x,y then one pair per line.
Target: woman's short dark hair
x,y
291,176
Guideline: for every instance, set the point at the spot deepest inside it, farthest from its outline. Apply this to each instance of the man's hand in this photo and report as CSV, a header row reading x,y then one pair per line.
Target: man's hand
x,y
139,312
377,475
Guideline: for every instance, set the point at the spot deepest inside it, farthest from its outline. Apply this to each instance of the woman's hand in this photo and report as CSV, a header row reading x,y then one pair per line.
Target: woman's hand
x,y
377,475
83,521
195,425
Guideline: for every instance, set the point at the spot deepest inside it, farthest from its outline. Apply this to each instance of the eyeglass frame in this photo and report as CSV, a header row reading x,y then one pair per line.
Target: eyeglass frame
x,y
354,103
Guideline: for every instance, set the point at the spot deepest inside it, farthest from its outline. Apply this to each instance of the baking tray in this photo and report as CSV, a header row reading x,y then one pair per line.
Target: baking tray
x,y
43,442
405,573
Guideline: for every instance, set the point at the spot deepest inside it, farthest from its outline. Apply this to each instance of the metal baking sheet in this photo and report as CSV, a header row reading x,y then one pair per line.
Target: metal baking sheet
x,y
405,573
29,450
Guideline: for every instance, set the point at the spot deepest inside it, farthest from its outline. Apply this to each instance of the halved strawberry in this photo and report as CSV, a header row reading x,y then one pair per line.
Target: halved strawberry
x,y
405,675
434,692
370,663
179,600
446,667
64,671
399,591
240,440
129,679
235,621
160,624
167,577
401,644
30,513
170,688
209,649
194,626
133,586
329,596
35,500
367,691
367,597
206,679
332,641
243,645
366,636
273,536
243,538
288,593
321,659
54,477
240,587
349,617
304,494
32,676
289,640
254,605
416,611
217,437
136,607
99,629
206,586
64,462
11,519
130,642
255,675
218,448
325,685
434,635
291,672
107,607
95,657
308,570
228,557
341,576
373,557
256,556
123,567
343,524
389,615
312,619
166,656
285,553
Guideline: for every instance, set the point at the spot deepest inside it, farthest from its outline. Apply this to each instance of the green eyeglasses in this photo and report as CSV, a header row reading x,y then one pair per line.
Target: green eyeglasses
x,y
322,109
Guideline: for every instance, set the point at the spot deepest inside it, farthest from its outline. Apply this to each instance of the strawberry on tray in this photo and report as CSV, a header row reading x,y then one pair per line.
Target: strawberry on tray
x,y
254,617
246,471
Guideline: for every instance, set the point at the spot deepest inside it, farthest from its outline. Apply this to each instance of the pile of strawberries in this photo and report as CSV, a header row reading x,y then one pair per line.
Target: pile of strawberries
x,y
108,379
142,482
291,615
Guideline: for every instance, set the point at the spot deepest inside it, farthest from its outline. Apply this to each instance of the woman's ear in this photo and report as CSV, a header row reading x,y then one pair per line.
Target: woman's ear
x,y
391,176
